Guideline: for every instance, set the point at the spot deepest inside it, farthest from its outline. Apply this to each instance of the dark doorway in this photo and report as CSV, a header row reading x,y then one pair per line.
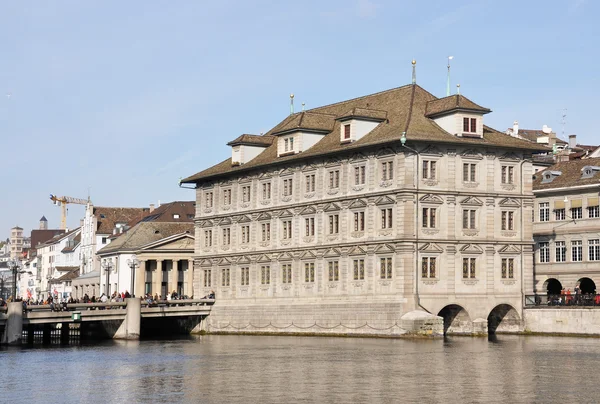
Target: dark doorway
x,y
553,286
587,286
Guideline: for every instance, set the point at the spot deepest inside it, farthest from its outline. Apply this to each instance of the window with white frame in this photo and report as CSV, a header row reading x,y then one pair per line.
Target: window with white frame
x,y
429,218
469,172
207,238
359,221
310,183
266,191
245,234
508,220
334,271
334,224
469,268
385,268
576,250
310,226
428,267
544,251
560,214
508,268
387,218
265,275
225,278
360,175
288,144
594,249
560,251
429,169
469,218
266,231
358,269
593,211
387,170
577,213
287,187
544,211
334,179
287,229
246,193
309,272
245,276
508,174
226,236
286,273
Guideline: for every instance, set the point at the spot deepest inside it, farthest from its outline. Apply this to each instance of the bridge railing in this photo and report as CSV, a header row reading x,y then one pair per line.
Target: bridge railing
x,y
175,303
580,300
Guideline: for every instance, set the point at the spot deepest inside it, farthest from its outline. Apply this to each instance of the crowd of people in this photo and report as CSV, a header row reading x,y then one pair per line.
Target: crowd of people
x,y
577,298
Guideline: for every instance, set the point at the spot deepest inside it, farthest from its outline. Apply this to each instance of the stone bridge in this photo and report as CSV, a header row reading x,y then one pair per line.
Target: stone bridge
x,y
124,320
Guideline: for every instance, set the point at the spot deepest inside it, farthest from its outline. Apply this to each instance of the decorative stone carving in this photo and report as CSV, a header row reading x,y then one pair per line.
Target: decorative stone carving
x,y
470,233
265,202
386,184
430,232
309,195
470,281
357,234
308,239
508,233
286,198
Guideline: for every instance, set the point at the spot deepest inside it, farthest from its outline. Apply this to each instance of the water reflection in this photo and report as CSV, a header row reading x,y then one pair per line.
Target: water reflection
x,y
263,369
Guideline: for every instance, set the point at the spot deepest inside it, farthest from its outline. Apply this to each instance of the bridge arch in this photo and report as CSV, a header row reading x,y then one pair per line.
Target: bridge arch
x,y
587,286
553,286
503,318
456,320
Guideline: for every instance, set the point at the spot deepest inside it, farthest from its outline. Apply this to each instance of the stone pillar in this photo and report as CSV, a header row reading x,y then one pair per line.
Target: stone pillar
x,y
138,289
157,278
64,333
14,324
188,285
130,327
174,276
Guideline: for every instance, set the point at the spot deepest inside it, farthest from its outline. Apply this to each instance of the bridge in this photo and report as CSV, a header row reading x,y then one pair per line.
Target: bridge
x,y
123,320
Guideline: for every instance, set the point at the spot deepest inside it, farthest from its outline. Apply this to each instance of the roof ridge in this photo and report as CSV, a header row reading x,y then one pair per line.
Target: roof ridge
x,y
410,108
358,98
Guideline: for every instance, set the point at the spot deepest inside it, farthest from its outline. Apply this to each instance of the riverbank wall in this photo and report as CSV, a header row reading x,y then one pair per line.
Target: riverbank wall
x,y
564,320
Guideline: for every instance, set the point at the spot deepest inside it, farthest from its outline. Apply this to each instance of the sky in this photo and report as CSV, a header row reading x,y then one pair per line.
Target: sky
x,y
120,99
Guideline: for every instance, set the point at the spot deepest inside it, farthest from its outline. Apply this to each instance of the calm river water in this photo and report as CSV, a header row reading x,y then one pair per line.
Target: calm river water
x,y
263,369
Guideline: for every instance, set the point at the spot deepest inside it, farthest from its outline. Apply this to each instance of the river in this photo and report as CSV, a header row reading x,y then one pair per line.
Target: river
x,y
270,369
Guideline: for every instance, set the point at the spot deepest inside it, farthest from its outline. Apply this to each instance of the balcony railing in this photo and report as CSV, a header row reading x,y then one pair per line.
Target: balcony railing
x,y
573,300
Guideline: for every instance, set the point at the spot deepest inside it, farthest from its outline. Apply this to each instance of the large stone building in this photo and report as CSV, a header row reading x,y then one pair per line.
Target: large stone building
x,y
344,218
16,242
567,227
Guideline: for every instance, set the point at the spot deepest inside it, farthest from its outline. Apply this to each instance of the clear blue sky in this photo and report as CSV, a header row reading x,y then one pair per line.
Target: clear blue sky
x,y
126,97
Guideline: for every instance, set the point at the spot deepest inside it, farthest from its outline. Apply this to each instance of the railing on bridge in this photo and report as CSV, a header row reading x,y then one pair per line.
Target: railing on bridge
x,y
580,300
112,305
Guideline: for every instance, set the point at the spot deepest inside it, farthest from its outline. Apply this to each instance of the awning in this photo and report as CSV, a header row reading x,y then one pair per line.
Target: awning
x,y
592,201
559,205
575,203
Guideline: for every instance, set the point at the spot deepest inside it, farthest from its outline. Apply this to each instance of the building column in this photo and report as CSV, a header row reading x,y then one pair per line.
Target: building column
x,y
157,278
174,276
138,290
188,285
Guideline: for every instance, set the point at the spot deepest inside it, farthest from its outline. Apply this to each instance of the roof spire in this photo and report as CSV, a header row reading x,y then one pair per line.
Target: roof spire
x,y
448,81
292,104
458,89
303,104
414,76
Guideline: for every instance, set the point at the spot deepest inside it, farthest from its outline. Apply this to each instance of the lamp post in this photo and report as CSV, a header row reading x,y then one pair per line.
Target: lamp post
x,y
107,265
14,266
133,263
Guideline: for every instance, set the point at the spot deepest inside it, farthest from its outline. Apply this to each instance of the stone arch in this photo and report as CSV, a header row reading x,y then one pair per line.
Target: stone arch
x,y
456,320
587,286
503,319
552,286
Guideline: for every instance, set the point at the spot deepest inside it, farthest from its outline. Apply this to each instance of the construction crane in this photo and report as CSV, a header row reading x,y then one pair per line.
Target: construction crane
x,y
63,201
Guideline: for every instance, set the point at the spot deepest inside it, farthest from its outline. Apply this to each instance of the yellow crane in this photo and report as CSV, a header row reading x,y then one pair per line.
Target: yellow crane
x,y
63,201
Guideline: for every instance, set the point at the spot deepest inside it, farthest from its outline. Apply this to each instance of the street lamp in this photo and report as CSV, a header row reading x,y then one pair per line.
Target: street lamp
x,y
15,267
133,263
107,265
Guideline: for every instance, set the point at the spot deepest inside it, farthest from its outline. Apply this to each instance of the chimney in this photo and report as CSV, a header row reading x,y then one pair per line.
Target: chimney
x,y
80,222
151,207
515,128
572,141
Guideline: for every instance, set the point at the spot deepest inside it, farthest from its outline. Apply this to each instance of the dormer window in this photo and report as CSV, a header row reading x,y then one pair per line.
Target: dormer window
x,y
589,171
549,176
347,132
288,144
470,125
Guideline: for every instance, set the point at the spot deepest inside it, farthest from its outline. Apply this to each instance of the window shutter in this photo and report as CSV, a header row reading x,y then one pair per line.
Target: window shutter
x,y
559,205
592,201
575,203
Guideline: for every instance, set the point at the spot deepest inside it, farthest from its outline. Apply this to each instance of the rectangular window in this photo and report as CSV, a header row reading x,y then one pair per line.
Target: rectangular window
x,y
245,234
544,252
469,218
266,191
359,269
470,125
310,183
508,174
469,268
346,132
469,172
266,231
387,170
386,218
334,224
226,236
508,220
288,144
428,267
359,221
310,226
207,238
309,272
473,125
561,251
287,229
227,197
286,273
334,271
593,211
429,169
225,277
559,214
245,276
429,217
334,179
544,208
385,268
246,193
287,187
207,278
508,268
576,250
265,275
209,199
594,250
360,175
576,213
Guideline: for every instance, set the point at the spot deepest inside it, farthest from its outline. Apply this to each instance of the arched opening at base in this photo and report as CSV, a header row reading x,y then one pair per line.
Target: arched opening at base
x,y
456,320
504,319
587,286
553,287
